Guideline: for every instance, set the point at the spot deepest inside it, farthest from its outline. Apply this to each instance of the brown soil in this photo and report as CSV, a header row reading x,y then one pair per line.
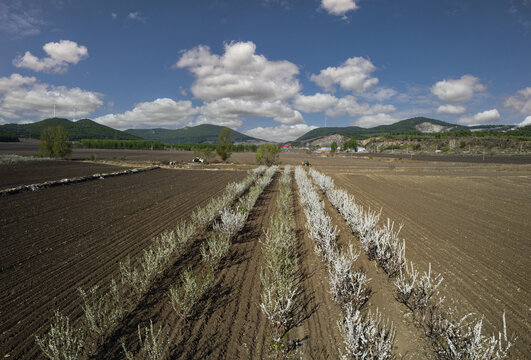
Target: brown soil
x,y
30,172
61,238
471,224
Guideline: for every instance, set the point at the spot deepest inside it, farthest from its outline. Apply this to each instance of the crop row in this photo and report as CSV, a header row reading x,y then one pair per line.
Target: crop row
x,y
365,336
193,286
103,310
278,275
452,337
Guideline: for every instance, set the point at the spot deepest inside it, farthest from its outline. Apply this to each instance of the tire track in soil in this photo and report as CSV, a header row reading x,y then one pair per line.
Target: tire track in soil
x,y
317,333
410,341
30,303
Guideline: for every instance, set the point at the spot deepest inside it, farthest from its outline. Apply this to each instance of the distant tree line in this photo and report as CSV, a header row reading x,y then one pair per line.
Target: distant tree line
x,y
193,147
121,144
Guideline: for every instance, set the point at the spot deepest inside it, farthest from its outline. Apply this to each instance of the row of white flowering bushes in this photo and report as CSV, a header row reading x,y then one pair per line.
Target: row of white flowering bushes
x,y
103,310
364,336
278,275
452,337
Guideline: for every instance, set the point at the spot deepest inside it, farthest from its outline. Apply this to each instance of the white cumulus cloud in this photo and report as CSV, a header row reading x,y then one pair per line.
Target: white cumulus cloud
x,y
228,108
368,121
157,113
60,55
527,121
457,90
22,96
521,102
338,7
239,73
451,109
348,105
353,75
314,103
379,94
280,133
481,118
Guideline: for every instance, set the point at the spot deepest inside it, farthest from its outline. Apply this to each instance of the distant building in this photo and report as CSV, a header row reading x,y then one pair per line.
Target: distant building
x,y
360,149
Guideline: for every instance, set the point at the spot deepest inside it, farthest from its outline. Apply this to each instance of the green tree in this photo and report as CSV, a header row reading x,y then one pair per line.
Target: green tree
x,y
62,146
224,147
351,144
267,154
47,140
55,142
333,147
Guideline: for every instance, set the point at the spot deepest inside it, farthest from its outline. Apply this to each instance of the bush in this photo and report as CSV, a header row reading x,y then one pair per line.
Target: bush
x,y
224,147
333,147
55,142
151,345
267,154
62,341
351,144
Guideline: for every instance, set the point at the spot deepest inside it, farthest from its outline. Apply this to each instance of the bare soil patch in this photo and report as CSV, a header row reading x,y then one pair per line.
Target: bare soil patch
x,y
29,172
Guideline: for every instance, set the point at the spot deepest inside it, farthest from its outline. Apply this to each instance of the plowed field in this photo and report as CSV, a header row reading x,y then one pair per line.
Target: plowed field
x,y
471,222
61,238
472,225
30,172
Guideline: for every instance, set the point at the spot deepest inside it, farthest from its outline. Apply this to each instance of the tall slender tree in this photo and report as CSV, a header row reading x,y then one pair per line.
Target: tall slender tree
x,y
224,146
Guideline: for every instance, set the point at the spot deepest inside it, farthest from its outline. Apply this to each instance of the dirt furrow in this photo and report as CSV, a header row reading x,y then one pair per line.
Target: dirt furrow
x,y
317,331
237,329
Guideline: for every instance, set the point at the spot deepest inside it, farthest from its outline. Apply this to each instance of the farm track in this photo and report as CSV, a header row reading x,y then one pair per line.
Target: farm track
x,y
29,172
86,233
473,229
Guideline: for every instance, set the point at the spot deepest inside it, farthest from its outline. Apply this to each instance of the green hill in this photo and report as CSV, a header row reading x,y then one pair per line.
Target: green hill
x,y
404,126
81,129
7,136
199,134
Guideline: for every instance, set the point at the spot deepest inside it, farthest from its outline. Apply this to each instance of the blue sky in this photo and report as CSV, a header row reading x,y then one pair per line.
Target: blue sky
x,y
269,68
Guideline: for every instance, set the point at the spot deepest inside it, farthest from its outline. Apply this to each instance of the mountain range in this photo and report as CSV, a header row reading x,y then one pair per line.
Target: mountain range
x,y
207,133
